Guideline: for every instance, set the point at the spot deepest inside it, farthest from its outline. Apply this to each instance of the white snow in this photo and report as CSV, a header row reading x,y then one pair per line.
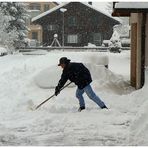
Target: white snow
x,y
3,50
132,5
57,122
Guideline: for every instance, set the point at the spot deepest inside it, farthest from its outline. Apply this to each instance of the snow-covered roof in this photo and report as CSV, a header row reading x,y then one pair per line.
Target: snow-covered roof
x,y
48,12
132,5
88,5
64,4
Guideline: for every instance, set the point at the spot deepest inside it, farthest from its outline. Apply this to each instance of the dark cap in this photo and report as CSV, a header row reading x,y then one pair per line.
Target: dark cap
x,y
63,60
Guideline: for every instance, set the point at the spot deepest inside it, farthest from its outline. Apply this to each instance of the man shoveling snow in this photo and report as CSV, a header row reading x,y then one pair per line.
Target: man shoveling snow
x,y
80,75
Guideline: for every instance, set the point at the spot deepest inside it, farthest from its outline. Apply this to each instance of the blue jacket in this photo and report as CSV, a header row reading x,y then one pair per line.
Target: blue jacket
x,y
77,73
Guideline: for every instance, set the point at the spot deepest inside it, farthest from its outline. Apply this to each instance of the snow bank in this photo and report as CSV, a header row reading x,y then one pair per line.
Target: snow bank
x,y
99,59
139,126
3,51
103,79
49,77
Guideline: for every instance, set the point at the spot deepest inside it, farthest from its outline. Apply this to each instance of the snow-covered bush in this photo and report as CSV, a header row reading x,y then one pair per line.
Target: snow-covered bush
x,y
115,43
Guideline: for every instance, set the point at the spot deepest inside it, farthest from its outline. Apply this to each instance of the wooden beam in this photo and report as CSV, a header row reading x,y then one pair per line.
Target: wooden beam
x,y
120,14
143,50
133,54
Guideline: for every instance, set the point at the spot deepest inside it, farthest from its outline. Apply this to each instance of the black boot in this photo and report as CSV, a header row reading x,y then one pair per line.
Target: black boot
x,y
81,108
104,107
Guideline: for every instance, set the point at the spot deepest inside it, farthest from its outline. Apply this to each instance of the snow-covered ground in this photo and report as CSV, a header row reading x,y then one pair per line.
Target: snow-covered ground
x,y
27,80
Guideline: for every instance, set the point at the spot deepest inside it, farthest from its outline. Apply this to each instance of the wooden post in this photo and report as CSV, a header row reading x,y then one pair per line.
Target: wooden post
x,y
133,54
143,50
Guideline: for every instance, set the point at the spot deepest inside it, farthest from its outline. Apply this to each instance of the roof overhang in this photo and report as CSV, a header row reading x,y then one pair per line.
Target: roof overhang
x,y
124,9
120,13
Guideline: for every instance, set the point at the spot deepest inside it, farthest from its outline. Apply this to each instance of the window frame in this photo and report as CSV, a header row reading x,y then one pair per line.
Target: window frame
x,y
35,6
72,21
72,38
46,7
34,34
52,27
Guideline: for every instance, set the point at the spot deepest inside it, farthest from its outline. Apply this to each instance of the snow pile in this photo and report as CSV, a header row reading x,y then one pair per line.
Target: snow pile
x,y
91,45
100,59
139,127
48,77
3,51
100,75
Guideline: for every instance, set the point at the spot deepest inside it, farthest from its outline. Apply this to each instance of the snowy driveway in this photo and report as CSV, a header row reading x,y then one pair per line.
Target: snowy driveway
x,y
57,123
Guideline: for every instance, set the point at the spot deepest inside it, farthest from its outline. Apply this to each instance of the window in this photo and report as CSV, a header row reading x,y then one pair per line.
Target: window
x,y
72,38
46,7
95,20
72,21
34,35
51,27
97,39
35,6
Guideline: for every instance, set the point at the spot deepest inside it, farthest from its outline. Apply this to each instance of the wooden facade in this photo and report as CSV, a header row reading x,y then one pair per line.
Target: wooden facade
x,y
35,8
82,25
139,41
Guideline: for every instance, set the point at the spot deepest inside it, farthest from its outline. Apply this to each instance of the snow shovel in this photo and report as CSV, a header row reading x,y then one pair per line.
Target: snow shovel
x,y
51,97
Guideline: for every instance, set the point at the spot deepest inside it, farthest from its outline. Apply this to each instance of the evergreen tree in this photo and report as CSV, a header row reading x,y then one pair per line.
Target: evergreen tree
x,y
18,14
7,38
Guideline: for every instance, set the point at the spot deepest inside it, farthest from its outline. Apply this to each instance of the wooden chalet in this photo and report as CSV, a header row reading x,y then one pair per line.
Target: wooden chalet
x,y
34,9
79,25
138,14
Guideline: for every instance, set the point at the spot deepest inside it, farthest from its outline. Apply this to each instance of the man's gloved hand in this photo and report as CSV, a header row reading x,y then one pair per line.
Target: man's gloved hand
x,y
57,90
